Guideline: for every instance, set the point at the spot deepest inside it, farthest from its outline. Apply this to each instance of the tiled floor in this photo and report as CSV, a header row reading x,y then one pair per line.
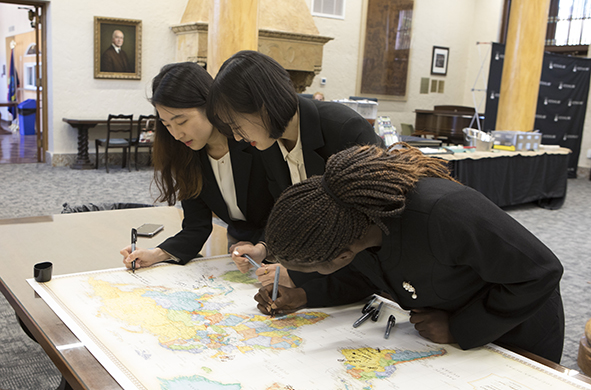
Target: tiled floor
x,y
16,148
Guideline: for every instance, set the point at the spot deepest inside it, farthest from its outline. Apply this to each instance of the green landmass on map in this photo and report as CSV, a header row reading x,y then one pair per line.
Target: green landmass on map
x,y
239,277
371,363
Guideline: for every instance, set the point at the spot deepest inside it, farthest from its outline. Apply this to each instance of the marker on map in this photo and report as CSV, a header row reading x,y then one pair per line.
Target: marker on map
x,y
391,323
251,261
376,313
133,241
275,287
364,317
367,306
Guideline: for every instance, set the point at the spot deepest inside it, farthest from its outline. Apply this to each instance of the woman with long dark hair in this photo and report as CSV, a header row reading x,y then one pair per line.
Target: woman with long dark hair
x,y
395,223
197,165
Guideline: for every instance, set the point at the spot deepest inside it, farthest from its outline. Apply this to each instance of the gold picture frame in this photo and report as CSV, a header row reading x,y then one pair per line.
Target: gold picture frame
x,y
117,48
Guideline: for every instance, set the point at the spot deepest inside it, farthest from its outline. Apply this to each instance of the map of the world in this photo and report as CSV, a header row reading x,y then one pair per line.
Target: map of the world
x,y
196,326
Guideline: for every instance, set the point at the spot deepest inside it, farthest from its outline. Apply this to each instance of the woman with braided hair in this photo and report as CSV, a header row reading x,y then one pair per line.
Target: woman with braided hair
x,y
394,222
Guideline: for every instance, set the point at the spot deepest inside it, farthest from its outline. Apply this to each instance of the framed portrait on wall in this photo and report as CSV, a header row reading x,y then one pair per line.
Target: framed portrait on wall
x,y
117,48
439,60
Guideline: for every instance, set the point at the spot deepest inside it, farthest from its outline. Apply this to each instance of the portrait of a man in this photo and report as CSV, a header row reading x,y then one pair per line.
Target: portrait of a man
x,y
117,48
115,59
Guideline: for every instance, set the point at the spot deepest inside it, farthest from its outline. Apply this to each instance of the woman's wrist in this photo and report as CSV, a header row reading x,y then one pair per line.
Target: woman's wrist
x,y
264,245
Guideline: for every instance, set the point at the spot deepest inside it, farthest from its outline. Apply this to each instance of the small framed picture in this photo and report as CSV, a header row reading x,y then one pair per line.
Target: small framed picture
x,y
439,60
117,48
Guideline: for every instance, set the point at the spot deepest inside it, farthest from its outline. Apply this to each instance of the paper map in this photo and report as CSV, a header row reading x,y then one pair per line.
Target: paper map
x,y
172,327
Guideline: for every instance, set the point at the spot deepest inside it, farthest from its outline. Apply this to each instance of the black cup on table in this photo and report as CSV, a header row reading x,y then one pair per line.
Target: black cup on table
x,y
42,271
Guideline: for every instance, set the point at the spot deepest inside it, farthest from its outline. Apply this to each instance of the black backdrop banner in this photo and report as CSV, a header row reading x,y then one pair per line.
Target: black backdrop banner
x,y
562,100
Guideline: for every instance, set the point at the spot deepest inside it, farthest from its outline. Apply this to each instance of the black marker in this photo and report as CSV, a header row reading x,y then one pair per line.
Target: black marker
x,y
367,306
376,313
133,241
364,317
391,322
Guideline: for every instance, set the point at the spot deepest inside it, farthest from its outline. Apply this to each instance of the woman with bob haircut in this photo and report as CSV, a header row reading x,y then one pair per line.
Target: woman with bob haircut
x,y
395,222
253,99
206,171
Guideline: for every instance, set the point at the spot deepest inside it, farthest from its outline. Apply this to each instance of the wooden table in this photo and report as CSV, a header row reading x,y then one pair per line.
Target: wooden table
x,y
82,242
82,126
78,242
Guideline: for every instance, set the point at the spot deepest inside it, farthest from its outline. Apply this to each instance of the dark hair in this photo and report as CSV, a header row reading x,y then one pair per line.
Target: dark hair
x,y
315,220
177,171
250,82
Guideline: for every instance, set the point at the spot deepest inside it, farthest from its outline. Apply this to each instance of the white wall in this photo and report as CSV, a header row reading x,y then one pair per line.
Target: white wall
x,y
74,93
465,23
457,24
13,21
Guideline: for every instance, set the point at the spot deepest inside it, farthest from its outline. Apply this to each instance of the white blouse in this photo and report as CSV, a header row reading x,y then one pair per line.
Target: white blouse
x,y
295,160
224,176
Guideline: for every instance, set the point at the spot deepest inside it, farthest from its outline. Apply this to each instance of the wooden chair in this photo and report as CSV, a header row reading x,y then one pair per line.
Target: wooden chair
x,y
144,123
119,135
406,129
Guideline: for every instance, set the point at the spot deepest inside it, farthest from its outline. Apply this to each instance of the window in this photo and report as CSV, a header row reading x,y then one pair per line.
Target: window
x,y
29,76
568,29
569,24
329,8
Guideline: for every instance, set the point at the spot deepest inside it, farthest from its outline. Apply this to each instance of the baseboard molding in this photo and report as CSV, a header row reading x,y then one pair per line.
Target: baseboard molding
x,y
115,158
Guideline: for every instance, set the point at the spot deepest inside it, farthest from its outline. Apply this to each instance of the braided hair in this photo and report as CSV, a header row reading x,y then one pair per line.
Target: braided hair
x,y
315,220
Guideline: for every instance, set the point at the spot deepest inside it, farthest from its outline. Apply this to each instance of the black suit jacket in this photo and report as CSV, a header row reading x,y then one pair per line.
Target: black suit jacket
x,y
326,128
253,198
464,255
111,61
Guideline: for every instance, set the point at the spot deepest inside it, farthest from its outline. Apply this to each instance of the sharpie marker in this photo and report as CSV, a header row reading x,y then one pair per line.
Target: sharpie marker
x,y
275,288
367,306
251,261
391,323
133,242
376,313
364,317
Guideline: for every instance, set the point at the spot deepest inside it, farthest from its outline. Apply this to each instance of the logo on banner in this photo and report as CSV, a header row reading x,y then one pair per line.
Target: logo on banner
x,y
572,102
494,95
556,65
581,69
561,118
540,116
499,56
545,83
564,85
551,101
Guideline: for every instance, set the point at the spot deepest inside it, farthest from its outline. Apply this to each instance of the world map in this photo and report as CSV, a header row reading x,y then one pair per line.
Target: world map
x,y
196,326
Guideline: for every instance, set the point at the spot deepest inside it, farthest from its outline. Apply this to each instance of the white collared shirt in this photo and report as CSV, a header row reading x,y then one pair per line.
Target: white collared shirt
x,y
295,160
224,176
117,48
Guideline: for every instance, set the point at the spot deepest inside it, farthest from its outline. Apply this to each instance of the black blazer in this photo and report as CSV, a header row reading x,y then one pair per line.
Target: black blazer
x,y
464,255
253,198
326,128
